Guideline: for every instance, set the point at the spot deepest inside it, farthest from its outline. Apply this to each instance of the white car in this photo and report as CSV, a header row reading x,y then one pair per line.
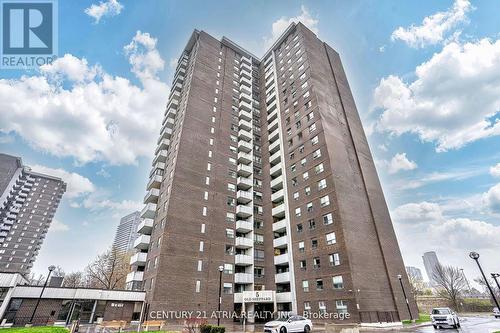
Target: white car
x,y
288,325
496,312
444,317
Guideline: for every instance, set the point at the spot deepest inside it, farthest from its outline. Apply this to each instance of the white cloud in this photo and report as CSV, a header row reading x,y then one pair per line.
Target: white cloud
x,y
495,170
452,102
72,109
173,63
281,24
465,233
57,225
400,162
107,8
99,200
492,198
103,173
435,27
418,212
77,185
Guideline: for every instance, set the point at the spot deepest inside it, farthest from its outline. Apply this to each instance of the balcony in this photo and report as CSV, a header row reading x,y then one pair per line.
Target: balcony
x,y
244,196
244,170
285,297
244,183
246,60
281,259
279,226
165,134
134,276
271,115
243,278
245,106
243,242
246,125
270,98
271,107
244,135
142,242
279,211
272,125
277,183
243,114
170,113
159,165
161,156
274,147
177,86
173,103
244,226
275,158
169,122
245,81
149,211
282,277
175,95
274,135
243,211
152,196
145,227
280,242
278,196
244,157
245,96
244,146
276,170
139,259
243,260
154,182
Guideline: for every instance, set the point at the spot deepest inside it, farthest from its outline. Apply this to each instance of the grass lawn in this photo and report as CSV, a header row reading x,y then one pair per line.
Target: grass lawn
x,y
35,329
422,318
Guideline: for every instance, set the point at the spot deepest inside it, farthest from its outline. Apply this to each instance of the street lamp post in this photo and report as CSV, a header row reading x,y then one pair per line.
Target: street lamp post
x,y
221,269
475,256
404,294
495,276
51,268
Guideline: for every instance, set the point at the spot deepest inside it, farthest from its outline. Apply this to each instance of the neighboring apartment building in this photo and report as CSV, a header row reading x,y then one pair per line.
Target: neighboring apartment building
x,y
126,232
28,203
430,262
262,167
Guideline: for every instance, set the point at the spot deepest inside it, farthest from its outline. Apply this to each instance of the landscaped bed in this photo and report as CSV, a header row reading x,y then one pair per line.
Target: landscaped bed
x,y
35,329
422,318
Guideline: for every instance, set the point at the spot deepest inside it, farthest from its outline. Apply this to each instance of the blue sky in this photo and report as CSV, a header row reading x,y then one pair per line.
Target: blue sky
x,y
425,77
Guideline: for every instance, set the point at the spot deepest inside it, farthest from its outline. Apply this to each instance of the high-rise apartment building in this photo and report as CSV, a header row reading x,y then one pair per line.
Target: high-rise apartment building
x,y
430,262
262,169
126,232
414,273
28,203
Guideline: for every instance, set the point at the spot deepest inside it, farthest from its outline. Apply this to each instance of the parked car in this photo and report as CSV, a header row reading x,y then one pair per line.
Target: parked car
x,y
496,312
444,317
288,325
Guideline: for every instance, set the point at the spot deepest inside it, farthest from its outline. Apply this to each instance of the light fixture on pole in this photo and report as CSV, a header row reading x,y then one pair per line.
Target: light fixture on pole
x,y
51,268
495,276
475,256
404,294
221,269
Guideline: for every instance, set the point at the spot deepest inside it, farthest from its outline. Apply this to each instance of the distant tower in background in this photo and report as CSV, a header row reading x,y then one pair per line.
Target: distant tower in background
x,y
126,232
430,262
414,273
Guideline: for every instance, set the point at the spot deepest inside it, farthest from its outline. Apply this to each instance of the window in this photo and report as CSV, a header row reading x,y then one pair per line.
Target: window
x,y
259,254
205,195
305,285
309,207
322,307
319,168
312,224
319,284
228,268
229,249
201,246
200,265
299,227
325,201
198,286
229,233
327,219
303,264
258,239
301,246
228,288
296,195
334,259
314,243
341,306
331,238
298,212
204,211
231,187
202,228
230,217
207,180
307,190
305,175
338,282
321,184
316,262
307,306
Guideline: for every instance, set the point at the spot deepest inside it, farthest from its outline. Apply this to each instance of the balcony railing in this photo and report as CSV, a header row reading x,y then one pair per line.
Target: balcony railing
x,y
243,242
134,276
279,226
280,242
243,278
244,196
145,227
142,242
244,226
149,211
282,277
139,259
243,260
243,211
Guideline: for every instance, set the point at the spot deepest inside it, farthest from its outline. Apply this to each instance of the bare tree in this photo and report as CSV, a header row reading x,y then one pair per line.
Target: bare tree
x,y
108,270
34,280
451,283
416,284
482,283
74,280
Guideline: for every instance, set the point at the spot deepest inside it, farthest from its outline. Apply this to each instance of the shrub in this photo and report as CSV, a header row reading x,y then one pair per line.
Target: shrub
x,y
205,328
